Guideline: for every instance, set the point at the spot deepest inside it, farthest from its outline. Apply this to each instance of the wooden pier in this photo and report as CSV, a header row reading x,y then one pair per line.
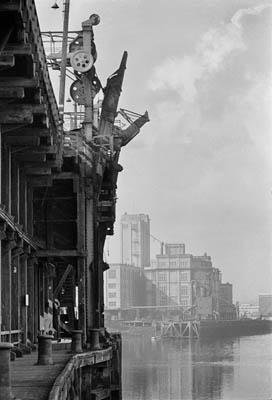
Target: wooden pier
x,y
57,206
34,382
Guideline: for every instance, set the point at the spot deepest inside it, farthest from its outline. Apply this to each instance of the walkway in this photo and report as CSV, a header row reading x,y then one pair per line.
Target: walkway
x,y
34,382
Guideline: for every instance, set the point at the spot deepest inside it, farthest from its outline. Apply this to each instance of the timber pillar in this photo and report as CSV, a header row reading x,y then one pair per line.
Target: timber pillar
x,y
76,345
45,350
5,388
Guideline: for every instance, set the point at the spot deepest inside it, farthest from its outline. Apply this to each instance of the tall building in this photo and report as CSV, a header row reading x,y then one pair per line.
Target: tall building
x,y
185,280
135,240
265,305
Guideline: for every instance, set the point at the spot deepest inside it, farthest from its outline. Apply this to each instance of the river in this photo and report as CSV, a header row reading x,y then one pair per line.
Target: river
x,y
225,369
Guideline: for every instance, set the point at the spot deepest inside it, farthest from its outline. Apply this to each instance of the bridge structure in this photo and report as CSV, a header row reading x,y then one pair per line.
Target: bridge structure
x,y
57,205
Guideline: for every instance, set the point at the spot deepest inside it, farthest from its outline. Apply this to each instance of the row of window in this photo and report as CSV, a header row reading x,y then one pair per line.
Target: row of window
x,y
183,276
174,263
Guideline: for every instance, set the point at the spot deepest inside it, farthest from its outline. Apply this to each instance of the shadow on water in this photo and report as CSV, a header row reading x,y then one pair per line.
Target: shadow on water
x,y
204,369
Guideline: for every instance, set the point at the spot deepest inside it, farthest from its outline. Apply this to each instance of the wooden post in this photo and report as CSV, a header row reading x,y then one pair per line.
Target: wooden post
x,y
6,283
5,381
14,199
23,303
29,210
0,240
81,262
90,258
32,329
22,200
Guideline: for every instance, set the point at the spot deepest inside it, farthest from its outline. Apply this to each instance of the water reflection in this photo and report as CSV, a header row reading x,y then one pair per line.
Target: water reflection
x,y
195,369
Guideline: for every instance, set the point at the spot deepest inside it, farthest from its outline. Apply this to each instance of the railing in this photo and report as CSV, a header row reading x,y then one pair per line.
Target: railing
x,y
13,336
69,381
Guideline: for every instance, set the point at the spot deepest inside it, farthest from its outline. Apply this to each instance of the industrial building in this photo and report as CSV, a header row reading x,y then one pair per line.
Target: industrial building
x,y
135,240
124,287
265,304
185,280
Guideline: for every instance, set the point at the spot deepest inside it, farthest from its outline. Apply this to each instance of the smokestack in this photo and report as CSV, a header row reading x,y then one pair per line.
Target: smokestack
x,y
162,245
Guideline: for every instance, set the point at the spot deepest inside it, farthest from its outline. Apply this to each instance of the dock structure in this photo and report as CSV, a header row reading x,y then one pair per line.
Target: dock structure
x,y
57,205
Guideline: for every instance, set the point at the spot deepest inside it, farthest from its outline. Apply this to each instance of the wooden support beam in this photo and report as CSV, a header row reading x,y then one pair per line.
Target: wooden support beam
x,y
28,131
38,171
30,157
20,113
16,117
7,61
11,6
60,253
21,49
10,93
22,140
16,81
44,149
46,164
41,181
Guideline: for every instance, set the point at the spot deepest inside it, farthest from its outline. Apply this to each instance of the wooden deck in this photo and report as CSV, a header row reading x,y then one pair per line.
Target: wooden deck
x,y
34,382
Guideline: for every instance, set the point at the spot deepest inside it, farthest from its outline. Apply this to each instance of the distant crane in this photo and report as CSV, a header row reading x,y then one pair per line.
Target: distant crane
x,y
161,243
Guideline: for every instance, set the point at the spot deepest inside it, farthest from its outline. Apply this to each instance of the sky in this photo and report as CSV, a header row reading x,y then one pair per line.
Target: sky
x,y
201,168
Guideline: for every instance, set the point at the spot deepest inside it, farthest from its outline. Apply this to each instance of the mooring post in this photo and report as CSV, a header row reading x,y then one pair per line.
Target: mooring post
x,y
5,385
94,339
45,350
76,345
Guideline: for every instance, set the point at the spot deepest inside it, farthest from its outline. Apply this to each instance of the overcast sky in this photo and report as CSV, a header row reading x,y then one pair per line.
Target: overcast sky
x,y
201,168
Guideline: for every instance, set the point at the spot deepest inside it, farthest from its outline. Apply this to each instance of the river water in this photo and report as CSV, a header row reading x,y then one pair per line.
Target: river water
x,y
225,369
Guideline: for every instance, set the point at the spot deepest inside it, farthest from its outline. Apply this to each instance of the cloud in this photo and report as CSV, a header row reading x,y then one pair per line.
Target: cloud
x,y
210,56
238,16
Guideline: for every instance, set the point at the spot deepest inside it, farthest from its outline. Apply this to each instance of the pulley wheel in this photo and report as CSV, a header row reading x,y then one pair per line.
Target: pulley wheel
x,y
81,61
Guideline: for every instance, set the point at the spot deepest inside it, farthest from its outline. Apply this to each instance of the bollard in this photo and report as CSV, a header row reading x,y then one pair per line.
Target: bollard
x,y
45,350
94,339
5,389
76,345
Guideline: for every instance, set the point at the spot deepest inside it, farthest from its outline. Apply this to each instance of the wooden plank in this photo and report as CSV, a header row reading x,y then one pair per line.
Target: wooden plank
x,y
11,93
38,171
22,140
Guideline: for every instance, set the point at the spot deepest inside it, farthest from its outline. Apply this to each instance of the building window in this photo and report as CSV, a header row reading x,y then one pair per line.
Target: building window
x,y
184,302
184,290
112,294
183,276
173,263
163,301
112,304
112,285
163,289
112,274
162,276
